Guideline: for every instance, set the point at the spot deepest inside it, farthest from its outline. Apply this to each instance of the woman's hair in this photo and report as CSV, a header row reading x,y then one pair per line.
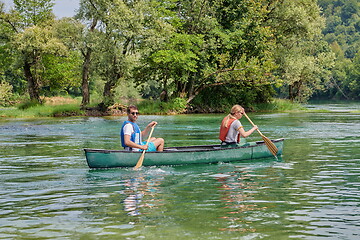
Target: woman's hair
x,y
131,107
233,111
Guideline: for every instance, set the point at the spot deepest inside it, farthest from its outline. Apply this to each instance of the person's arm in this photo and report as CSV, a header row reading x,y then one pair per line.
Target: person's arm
x,y
146,131
131,144
244,133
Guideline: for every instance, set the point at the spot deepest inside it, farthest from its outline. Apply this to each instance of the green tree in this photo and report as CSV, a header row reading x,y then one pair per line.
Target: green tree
x,y
304,59
31,39
175,63
90,13
62,72
33,44
213,43
342,32
34,12
7,56
79,40
353,80
120,28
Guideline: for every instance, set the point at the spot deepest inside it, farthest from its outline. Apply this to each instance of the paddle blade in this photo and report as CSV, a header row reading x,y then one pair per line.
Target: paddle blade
x,y
140,161
270,145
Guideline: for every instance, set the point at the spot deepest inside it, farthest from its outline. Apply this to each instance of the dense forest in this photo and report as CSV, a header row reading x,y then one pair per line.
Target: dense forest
x,y
202,53
342,32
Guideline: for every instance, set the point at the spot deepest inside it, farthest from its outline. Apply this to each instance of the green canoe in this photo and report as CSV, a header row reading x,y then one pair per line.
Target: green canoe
x,y
99,158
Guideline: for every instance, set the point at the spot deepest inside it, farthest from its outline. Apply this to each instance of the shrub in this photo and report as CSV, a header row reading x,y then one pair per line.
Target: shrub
x,y
28,104
67,110
176,105
279,105
218,99
5,93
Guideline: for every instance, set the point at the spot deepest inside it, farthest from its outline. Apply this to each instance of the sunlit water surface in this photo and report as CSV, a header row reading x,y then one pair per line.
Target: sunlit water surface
x,y
313,192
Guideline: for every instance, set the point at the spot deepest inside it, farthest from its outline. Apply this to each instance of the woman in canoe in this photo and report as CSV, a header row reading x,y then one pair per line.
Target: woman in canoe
x,y
231,128
131,135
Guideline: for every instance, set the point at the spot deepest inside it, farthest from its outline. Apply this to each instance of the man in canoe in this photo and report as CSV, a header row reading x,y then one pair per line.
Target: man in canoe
x,y
231,128
131,136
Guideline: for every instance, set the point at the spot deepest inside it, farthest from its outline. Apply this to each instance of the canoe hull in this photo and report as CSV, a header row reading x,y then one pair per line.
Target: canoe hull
x,y
98,158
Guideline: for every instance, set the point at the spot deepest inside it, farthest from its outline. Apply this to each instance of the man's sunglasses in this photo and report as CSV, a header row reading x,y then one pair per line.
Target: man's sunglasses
x,y
134,113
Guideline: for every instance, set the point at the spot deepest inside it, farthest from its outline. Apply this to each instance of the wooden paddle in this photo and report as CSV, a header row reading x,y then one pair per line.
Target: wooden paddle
x,y
270,145
141,159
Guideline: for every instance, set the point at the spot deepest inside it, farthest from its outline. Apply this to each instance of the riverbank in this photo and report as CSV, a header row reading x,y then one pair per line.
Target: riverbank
x,y
66,109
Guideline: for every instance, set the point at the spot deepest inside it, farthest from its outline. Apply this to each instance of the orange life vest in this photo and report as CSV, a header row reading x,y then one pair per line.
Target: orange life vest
x,y
224,130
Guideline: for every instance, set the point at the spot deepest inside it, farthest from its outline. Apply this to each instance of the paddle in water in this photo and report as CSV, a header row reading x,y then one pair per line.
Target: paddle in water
x,y
141,159
270,145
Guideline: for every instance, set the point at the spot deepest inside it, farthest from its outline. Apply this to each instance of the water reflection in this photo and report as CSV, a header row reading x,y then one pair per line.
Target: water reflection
x,y
134,197
238,190
141,192
235,199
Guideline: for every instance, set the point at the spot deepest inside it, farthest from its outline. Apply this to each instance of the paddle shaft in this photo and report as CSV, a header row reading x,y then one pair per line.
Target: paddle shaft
x,y
141,159
252,123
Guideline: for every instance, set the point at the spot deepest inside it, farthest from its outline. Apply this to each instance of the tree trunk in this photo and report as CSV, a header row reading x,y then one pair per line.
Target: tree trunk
x,y
108,89
107,94
164,96
114,75
86,71
298,92
33,85
180,89
295,91
190,87
291,94
85,79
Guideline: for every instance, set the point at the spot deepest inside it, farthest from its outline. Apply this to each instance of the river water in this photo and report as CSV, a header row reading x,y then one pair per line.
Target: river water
x,y
47,190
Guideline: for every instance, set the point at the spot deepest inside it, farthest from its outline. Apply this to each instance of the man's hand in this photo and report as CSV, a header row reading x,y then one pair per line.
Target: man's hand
x,y
152,124
144,147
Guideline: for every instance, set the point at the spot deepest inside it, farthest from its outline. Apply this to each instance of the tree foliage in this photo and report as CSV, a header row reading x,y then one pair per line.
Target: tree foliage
x,y
5,93
304,59
342,32
213,43
120,26
243,51
31,38
34,12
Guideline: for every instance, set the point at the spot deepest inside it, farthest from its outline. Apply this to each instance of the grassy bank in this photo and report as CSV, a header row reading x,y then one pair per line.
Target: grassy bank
x,y
279,105
56,108
43,111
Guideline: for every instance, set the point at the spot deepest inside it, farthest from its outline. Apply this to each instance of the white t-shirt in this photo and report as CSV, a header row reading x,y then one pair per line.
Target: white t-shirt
x,y
233,132
129,130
